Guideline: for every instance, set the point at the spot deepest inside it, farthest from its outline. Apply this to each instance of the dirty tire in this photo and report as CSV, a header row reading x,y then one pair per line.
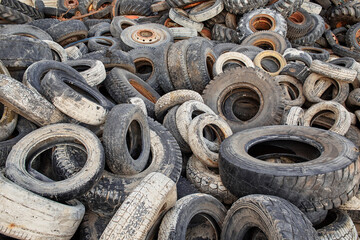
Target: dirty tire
x,y
30,105
299,23
118,25
340,227
84,103
243,6
244,174
181,17
224,34
316,53
68,31
155,194
175,223
245,80
93,71
58,51
294,117
268,40
206,180
264,216
196,139
126,140
314,34
333,71
25,30
272,56
92,225
14,16
342,116
23,8
233,59
28,210
8,121
48,137
293,89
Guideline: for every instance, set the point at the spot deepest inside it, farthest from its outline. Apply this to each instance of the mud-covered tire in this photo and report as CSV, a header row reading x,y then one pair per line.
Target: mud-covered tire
x,y
154,195
14,16
271,40
306,191
28,210
68,31
299,23
215,96
224,34
23,8
241,6
92,225
268,217
316,53
351,37
333,71
126,140
176,221
93,71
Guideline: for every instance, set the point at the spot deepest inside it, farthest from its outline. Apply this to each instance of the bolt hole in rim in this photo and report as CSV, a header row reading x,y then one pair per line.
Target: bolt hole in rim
x,y
146,36
71,4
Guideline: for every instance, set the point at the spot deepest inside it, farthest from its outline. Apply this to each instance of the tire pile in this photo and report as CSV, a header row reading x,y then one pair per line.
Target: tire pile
x,y
144,119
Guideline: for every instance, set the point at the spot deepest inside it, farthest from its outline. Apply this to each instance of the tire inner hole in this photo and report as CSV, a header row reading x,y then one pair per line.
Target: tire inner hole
x,y
270,64
261,23
144,66
81,68
297,18
255,233
291,91
81,91
210,61
134,138
284,151
232,63
265,44
330,92
316,120
202,226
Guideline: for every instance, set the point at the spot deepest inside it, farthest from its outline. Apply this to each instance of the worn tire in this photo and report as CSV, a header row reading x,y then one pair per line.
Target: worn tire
x,y
244,174
333,71
93,71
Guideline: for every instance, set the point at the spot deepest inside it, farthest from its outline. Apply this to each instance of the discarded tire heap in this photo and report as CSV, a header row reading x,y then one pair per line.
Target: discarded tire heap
x,y
143,119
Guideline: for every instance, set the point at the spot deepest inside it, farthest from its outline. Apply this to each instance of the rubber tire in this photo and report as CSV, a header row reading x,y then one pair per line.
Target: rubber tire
x,y
28,210
23,8
224,34
110,192
350,37
242,6
154,195
68,31
299,29
13,16
293,54
243,174
245,77
333,71
94,72
117,23
25,30
316,53
314,34
275,217
92,225
273,41
122,85
293,90
175,223
118,129
206,180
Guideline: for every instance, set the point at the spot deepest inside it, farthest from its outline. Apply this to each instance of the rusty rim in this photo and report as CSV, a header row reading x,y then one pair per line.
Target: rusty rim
x,y
297,18
145,36
71,4
210,61
262,22
335,38
272,2
193,5
142,90
206,33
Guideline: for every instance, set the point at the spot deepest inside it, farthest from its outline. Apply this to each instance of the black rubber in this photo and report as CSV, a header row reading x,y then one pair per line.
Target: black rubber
x,y
346,52
345,14
245,98
350,38
298,29
267,40
122,85
243,6
305,180
222,33
126,140
316,53
44,24
93,225
221,48
23,8
25,30
108,194
68,31
286,7
297,70
135,7
314,34
266,217
14,16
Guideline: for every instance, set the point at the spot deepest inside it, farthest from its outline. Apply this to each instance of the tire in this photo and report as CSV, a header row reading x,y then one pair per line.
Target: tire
x,y
44,24
353,98
184,188
29,209
173,98
224,34
316,217
294,117
126,140
253,83
45,138
122,85
196,139
103,43
100,29
206,11
338,225
13,16
139,103
264,216
345,52
12,49
249,51
296,70
36,71
299,24
59,53
181,17
176,61
351,36
240,6
293,54
180,33
222,48
138,7
293,90
318,88
185,115
170,124
85,105
25,30
155,194
231,60
310,146
342,116
68,32
111,190
333,71
23,8
268,40
23,127
8,121
118,25
148,61
132,37
93,71
314,34
73,53
36,108
271,56
200,58
262,19
316,53
192,209
207,180
346,14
